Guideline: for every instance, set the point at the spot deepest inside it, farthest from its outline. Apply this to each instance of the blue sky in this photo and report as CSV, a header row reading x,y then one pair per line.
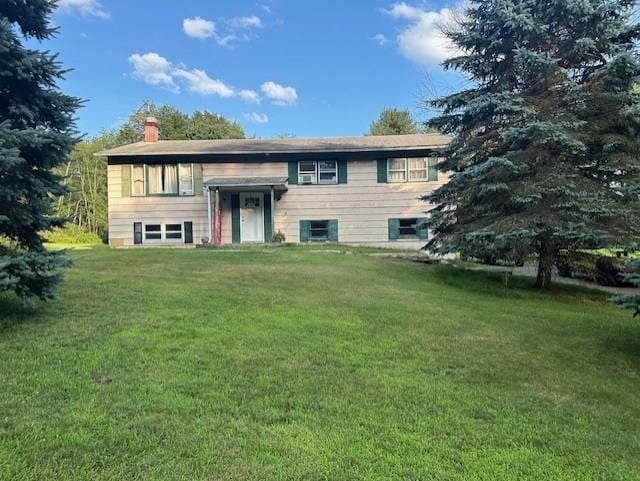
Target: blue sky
x,y
305,68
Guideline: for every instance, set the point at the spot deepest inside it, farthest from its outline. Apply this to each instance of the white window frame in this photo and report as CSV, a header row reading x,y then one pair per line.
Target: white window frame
x,y
425,170
163,233
144,181
180,189
324,171
407,170
390,170
145,189
316,173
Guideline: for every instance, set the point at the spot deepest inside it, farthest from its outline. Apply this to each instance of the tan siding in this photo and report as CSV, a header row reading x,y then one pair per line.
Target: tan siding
x,y
362,206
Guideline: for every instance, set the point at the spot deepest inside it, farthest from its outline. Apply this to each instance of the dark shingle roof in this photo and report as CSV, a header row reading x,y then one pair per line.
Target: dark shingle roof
x,y
289,145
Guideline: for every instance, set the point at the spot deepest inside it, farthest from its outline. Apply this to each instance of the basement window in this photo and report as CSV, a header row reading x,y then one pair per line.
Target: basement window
x,y
162,232
319,230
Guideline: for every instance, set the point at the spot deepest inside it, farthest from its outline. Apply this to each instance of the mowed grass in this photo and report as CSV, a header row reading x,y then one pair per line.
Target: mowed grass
x,y
313,364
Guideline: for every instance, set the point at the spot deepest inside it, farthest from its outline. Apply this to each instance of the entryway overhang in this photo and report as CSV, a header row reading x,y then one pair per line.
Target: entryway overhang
x,y
270,185
260,184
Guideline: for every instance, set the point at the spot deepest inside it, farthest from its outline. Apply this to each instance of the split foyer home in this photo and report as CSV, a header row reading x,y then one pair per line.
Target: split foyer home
x,y
356,190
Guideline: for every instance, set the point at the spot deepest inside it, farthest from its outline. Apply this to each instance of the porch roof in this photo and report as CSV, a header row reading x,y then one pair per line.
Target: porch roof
x,y
278,183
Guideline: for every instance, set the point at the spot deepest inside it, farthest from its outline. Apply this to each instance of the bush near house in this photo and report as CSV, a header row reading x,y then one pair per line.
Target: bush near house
x,y
71,234
606,270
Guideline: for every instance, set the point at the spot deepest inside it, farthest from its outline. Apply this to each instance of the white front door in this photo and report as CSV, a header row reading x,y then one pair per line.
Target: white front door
x,y
251,217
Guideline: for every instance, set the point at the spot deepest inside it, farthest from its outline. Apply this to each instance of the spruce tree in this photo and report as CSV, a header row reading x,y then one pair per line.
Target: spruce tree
x,y
36,135
545,155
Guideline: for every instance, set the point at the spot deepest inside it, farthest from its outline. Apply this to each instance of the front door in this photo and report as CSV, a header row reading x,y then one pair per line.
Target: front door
x,y
251,217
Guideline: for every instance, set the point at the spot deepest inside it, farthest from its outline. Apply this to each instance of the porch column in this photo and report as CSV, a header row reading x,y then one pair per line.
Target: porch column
x,y
218,226
209,218
273,210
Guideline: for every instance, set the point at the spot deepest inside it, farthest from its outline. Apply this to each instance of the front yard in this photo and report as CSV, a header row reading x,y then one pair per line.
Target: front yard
x,y
314,364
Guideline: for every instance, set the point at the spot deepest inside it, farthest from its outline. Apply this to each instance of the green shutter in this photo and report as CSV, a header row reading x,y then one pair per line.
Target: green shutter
x,y
394,229
421,228
235,218
382,171
333,230
305,230
126,180
197,179
268,228
342,172
293,172
433,168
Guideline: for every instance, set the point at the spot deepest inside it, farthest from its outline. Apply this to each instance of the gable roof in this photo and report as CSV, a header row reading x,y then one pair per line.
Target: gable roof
x,y
265,147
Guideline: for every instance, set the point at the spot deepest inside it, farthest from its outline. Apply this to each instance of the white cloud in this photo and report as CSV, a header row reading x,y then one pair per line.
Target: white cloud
x,y
154,70
199,82
257,118
91,8
423,41
252,21
279,94
380,39
198,27
249,95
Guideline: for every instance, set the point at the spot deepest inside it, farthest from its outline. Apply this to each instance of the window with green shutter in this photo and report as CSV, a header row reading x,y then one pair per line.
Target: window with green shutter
x,y
408,228
382,171
319,230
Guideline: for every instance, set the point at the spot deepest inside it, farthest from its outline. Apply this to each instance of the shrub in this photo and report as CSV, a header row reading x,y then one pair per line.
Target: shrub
x,y
279,237
594,267
71,234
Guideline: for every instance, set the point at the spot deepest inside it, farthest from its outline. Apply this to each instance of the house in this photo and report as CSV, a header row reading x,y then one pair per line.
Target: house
x,y
357,190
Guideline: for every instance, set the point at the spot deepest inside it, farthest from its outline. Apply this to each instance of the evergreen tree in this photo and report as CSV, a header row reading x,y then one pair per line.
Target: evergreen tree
x,y
545,154
394,122
36,135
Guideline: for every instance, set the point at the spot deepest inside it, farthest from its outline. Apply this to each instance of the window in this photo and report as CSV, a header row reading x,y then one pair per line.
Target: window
x,y
319,230
152,232
411,228
418,169
318,172
173,231
186,179
163,179
407,227
162,232
137,180
415,169
328,172
397,170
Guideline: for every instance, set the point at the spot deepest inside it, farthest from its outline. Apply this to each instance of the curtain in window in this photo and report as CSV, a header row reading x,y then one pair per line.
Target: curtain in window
x,y
155,179
171,179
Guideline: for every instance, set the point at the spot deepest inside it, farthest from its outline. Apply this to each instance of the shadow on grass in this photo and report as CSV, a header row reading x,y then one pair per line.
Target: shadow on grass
x,y
504,285
627,343
15,311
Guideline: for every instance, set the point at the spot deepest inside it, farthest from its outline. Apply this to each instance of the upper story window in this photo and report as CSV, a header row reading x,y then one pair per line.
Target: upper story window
x,y
162,179
412,169
318,172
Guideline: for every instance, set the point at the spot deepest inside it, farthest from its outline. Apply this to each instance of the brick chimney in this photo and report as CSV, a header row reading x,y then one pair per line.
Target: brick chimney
x,y
151,130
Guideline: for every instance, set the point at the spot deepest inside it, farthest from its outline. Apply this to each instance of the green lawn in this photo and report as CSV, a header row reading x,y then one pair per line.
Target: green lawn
x,y
296,363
